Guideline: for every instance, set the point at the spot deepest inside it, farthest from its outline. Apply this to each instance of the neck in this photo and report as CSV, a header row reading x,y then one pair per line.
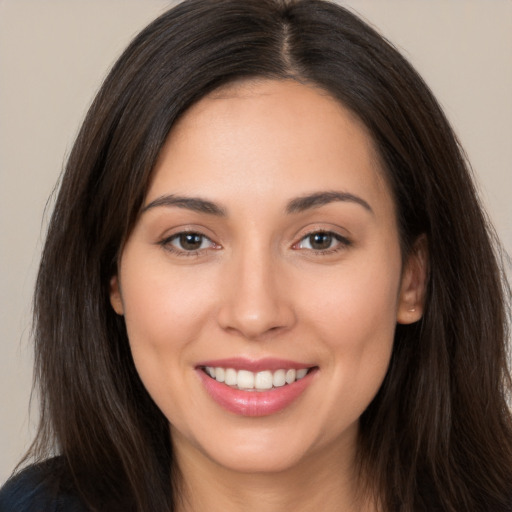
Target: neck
x,y
326,482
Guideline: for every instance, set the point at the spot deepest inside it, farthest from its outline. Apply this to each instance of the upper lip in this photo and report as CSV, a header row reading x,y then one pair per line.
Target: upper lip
x,y
255,365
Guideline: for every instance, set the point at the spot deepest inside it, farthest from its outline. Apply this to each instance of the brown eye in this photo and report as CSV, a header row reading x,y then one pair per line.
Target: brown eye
x,y
190,241
320,241
323,241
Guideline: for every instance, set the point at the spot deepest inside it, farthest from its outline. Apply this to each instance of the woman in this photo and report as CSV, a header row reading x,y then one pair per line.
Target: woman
x,y
267,282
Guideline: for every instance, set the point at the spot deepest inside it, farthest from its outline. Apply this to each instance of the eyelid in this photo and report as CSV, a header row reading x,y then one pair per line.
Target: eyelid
x,y
166,242
343,241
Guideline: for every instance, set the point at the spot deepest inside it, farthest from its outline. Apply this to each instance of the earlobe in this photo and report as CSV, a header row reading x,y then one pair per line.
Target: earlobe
x,y
411,301
115,295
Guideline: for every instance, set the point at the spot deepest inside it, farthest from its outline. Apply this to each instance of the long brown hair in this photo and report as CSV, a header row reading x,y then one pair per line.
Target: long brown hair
x,y
438,434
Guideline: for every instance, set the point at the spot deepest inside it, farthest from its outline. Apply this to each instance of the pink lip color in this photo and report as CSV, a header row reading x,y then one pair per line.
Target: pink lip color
x,y
254,403
242,363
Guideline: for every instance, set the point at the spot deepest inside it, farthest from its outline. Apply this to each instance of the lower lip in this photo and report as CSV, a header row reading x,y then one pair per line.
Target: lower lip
x,y
255,403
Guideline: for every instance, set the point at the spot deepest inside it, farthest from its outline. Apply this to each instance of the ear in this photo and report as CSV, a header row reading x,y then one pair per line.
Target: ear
x,y
115,295
411,301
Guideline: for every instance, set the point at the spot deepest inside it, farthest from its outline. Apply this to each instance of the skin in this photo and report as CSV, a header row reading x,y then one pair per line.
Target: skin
x,y
258,288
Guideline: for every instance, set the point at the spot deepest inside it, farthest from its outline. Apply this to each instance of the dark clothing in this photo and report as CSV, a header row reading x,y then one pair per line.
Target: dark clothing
x,y
45,487
34,490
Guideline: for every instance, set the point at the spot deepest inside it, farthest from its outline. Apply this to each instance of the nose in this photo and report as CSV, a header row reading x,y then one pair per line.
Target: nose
x,y
257,302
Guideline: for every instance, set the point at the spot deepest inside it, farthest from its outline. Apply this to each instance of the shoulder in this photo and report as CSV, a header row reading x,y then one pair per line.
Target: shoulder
x,y
39,488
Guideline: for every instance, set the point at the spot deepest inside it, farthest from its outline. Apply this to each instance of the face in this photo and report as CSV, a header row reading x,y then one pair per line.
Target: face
x,y
263,280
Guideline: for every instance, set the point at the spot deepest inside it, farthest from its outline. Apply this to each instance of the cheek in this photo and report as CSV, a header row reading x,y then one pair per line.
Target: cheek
x,y
354,317
164,313
162,307
356,302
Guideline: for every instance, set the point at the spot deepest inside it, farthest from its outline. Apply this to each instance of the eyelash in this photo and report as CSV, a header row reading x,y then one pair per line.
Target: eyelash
x,y
167,244
342,243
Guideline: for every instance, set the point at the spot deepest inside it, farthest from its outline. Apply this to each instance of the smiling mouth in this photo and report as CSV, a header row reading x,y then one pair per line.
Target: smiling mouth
x,y
265,380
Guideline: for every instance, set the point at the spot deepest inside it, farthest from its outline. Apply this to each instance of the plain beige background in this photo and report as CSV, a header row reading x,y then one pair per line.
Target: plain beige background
x,y
54,54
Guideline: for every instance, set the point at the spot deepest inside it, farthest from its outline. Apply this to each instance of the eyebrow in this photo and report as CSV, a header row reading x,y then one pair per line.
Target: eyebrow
x,y
195,204
318,199
297,205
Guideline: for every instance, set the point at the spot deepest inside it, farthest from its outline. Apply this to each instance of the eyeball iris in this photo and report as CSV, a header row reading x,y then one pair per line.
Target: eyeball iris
x,y
190,241
320,241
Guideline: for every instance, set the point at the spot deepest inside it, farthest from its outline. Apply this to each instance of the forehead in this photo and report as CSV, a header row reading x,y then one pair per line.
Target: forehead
x,y
272,139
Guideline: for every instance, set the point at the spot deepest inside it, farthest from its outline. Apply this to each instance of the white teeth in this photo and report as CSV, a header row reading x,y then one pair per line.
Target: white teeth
x,y
279,378
301,373
290,376
251,381
230,377
263,380
245,379
220,374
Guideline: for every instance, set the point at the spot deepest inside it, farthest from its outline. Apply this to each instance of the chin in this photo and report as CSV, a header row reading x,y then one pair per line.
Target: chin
x,y
258,460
